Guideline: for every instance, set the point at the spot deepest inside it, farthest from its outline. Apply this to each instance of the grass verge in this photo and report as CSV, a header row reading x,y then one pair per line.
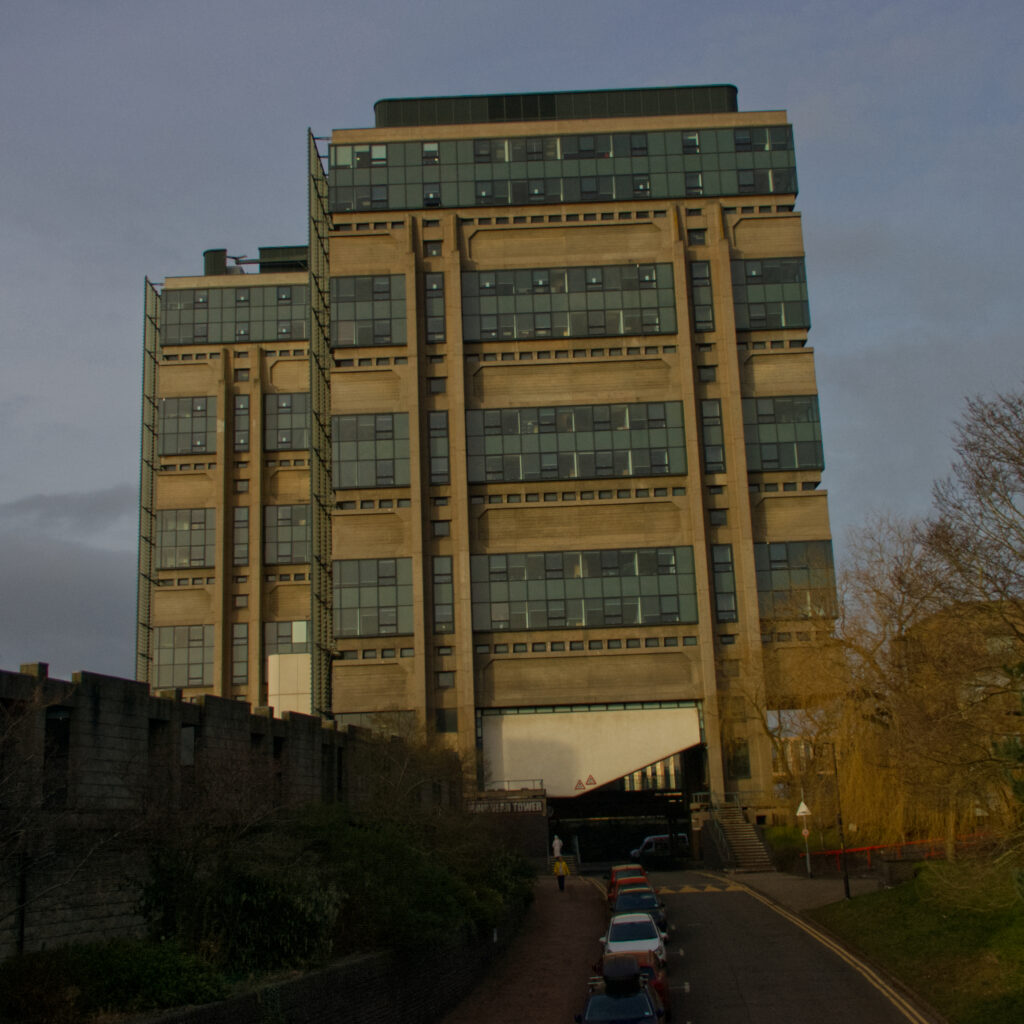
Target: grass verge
x,y
968,964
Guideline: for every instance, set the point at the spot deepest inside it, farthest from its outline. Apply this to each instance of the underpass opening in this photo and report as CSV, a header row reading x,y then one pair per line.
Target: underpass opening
x,y
604,825
573,748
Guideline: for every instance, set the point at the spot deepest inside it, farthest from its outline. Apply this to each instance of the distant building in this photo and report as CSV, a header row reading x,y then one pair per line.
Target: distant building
x,y
523,445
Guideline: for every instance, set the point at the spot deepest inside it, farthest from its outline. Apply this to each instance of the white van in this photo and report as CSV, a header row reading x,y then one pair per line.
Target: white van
x,y
654,847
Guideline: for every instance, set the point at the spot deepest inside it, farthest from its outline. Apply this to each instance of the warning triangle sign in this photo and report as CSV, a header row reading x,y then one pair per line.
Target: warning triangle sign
x,y
579,784
591,781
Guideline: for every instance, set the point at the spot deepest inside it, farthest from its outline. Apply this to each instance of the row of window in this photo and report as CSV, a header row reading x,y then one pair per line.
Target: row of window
x,y
515,444
370,310
602,301
584,188
227,315
594,146
531,590
575,442
628,299
562,589
558,646
556,169
556,302
186,537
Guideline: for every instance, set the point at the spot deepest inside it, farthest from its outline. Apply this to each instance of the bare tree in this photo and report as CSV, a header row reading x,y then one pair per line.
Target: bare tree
x,y
929,698
799,709
978,526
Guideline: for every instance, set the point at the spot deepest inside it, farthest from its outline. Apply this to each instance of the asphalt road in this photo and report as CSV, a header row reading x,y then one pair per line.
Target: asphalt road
x,y
737,958
747,959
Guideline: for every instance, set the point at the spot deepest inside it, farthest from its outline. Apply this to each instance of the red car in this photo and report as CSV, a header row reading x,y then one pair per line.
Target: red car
x,y
625,869
623,878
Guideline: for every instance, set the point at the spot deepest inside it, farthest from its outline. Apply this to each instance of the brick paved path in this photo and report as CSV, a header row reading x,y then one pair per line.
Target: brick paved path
x,y
543,977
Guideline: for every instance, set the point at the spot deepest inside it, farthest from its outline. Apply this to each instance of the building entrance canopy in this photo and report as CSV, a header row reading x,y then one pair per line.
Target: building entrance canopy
x,y
573,752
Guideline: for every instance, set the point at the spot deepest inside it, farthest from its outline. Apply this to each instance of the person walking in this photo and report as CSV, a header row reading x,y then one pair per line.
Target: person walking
x,y
561,870
556,847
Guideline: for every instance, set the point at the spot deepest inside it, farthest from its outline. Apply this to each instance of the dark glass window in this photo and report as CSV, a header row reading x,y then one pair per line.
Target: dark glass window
x,y
795,579
725,583
367,310
560,302
287,534
373,597
241,424
783,433
561,169
770,294
370,450
712,435
444,595
187,426
184,656
437,426
224,316
575,442
185,538
566,589
701,298
286,422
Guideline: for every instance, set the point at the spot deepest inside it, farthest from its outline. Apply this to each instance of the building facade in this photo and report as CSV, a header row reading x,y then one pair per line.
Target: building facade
x,y
524,445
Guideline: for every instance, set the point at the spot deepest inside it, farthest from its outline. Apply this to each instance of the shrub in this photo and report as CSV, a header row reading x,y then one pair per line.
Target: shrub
x,y
64,985
245,920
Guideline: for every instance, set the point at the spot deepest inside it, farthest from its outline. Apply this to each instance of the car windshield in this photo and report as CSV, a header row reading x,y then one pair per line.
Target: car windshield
x,y
631,931
635,1006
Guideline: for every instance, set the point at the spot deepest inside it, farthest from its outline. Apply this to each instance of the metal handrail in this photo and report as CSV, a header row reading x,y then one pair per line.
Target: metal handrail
x,y
504,785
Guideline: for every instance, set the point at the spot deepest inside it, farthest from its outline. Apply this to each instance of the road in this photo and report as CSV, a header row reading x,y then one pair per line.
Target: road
x,y
744,960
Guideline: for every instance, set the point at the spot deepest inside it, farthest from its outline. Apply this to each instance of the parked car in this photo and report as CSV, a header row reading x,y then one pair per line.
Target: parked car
x,y
625,869
626,882
621,995
630,901
658,850
652,973
634,933
620,874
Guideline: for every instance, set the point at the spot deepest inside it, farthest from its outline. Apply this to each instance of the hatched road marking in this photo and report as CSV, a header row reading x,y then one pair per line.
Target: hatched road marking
x,y
721,887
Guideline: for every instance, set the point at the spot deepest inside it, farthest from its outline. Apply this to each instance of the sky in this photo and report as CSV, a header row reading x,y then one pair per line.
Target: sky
x,y
134,135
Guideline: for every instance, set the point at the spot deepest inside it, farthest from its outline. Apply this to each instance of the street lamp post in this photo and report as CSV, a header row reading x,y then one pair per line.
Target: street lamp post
x,y
803,812
839,823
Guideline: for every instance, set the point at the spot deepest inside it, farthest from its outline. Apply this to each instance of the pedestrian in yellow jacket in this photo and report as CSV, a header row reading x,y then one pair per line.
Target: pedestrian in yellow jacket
x,y
561,869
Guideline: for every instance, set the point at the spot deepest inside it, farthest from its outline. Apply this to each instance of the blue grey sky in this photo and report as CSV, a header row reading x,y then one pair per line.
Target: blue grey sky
x,y
135,135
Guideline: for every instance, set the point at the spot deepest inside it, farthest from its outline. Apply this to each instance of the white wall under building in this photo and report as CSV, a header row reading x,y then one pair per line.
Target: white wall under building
x,y
575,751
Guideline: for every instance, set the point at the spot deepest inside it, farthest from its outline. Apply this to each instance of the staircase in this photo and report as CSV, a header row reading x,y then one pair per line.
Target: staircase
x,y
745,844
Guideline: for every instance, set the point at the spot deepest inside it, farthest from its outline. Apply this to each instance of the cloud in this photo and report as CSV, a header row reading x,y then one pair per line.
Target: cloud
x,y
105,519
64,603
